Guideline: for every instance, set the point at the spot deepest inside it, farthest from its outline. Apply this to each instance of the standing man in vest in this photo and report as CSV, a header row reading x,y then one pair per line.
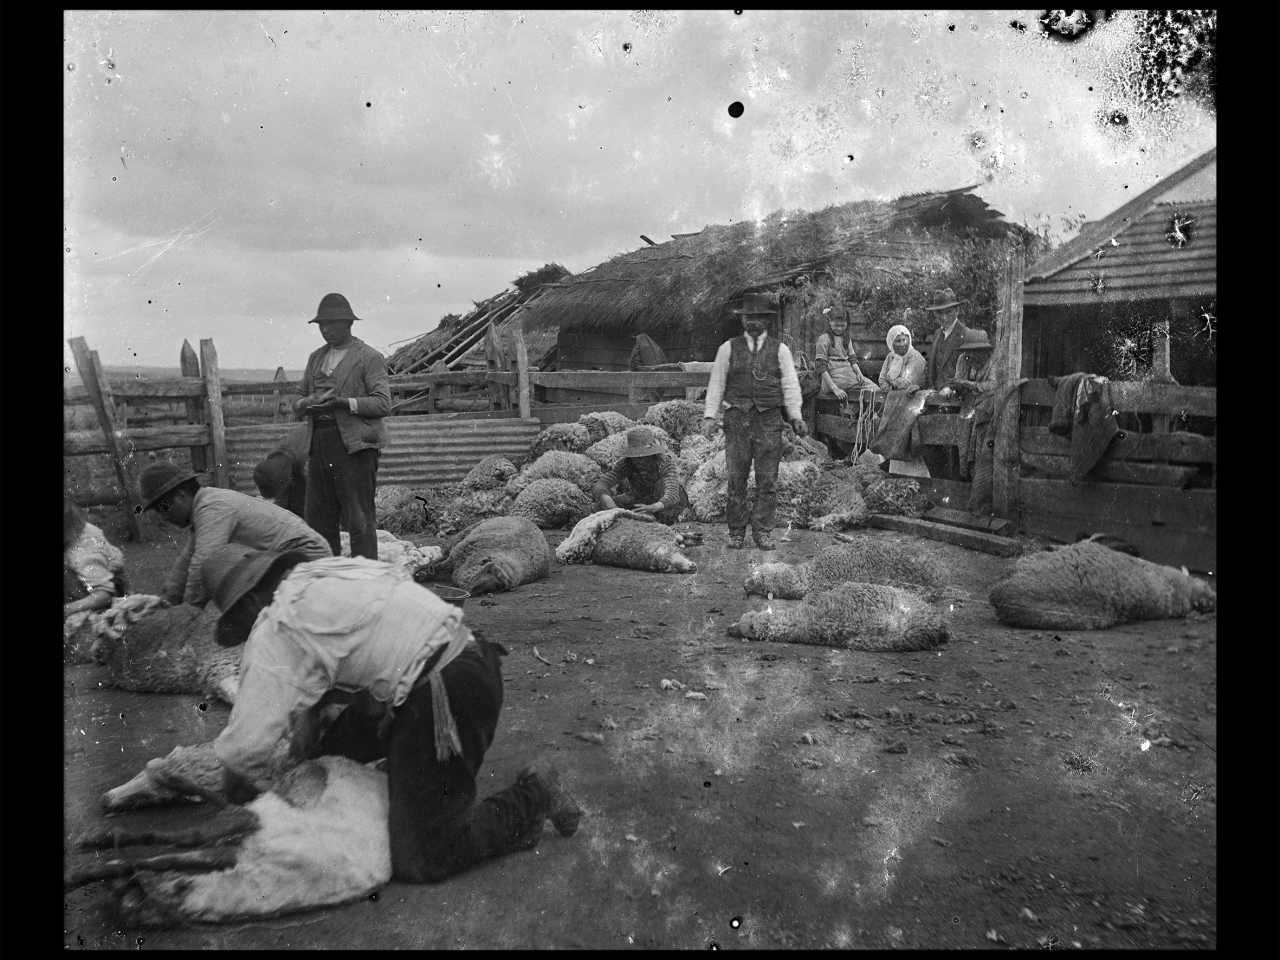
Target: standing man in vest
x,y
345,397
756,377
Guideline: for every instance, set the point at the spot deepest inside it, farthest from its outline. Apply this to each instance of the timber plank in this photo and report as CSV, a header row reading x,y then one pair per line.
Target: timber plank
x,y
959,518
947,429
973,539
945,493
217,428
1138,397
138,438
557,413
99,392
1178,447
190,367
1113,471
127,389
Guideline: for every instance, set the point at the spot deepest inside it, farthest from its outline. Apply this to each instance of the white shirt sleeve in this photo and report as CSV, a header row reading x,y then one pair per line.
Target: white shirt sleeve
x,y
790,383
716,385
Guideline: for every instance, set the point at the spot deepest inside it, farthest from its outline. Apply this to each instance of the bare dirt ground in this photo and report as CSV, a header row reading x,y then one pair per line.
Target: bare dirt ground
x,y
1015,788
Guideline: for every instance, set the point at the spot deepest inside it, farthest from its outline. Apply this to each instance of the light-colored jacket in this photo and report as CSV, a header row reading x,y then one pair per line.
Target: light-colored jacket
x,y
361,378
219,517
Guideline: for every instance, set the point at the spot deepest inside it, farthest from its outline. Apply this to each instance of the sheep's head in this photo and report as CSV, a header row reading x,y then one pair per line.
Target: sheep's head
x,y
774,579
750,625
671,560
1204,597
492,577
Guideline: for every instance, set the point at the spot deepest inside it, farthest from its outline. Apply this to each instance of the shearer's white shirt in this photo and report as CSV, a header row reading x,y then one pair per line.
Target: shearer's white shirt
x,y
343,622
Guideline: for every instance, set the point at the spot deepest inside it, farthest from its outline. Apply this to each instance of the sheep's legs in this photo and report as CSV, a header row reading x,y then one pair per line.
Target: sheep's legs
x,y
226,826
198,860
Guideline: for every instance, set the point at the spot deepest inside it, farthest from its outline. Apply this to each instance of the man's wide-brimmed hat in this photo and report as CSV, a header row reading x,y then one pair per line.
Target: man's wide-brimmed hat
x,y
233,570
334,306
158,479
941,299
976,340
757,304
642,442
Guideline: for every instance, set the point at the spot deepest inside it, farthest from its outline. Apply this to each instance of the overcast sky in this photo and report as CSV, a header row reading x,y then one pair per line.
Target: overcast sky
x,y
225,170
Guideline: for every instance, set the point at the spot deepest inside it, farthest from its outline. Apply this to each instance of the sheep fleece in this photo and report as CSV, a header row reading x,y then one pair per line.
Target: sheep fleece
x,y
856,616
500,554
641,546
172,650
1087,586
868,561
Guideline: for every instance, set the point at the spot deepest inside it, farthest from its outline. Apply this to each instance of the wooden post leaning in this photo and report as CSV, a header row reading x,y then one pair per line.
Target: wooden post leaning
x,y
1006,461
95,382
277,411
522,372
195,407
217,429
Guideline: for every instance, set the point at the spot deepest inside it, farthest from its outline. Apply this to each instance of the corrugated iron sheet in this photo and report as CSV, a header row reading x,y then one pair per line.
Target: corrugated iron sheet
x,y
422,450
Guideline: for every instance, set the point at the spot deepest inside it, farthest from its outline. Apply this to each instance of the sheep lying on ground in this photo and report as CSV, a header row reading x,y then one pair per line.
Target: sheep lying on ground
x,y
857,616
551,503
1087,586
400,510
622,538
836,502
87,635
490,473
573,437
579,470
397,552
172,650
869,560
470,507
197,764
318,839
892,496
609,421
495,555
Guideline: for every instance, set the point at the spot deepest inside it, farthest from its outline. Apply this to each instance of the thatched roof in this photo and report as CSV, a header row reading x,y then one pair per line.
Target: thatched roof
x,y
689,279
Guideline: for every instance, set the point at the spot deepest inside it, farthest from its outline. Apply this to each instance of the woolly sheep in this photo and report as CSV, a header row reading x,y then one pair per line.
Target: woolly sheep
x,y
318,839
695,450
471,507
856,616
623,538
490,473
867,561
573,437
837,501
552,503
612,422
173,650
677,418
708,490
495,555
896,497
198,764
579,470
1087,586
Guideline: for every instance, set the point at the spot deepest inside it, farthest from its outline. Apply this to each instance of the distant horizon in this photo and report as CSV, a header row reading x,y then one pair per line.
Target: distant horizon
x,y
154,372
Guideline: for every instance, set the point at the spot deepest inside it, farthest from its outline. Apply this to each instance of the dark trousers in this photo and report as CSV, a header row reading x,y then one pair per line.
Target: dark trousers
x,y
943,462
752,436
340,488
437,828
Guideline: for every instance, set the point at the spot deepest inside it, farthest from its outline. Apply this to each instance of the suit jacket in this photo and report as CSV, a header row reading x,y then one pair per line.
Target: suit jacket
x,y
942,356
362,374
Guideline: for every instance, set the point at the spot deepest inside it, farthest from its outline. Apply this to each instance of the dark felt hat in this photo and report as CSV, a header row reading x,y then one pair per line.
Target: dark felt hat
x,y
941,299
158,479
976,340
757,303
233,570
642,442
334,306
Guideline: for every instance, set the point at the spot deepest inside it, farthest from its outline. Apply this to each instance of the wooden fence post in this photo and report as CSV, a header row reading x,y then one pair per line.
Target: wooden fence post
x,y
213,394
494,361
1007,459
195,408
438,391
522,372
95,382
275,395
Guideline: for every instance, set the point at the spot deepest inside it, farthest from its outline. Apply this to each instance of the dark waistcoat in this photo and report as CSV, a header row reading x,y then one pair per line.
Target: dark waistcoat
x,y
754,380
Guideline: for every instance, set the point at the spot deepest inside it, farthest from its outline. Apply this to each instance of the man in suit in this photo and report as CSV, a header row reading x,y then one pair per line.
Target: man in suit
x,y
345,397
946,339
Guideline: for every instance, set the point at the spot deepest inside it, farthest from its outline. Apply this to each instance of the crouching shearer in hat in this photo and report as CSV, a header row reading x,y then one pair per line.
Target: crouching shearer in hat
x,y
345,396
423,691
281,477
217,517
756,377
650,473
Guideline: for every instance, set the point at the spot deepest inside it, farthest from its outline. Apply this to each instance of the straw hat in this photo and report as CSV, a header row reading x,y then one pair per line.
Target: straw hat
x,y
158,479
976,340
941,299
233,570
757,303
642,442
334,306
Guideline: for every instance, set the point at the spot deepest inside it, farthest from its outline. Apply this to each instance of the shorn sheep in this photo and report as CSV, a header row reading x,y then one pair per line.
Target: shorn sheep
x,y
495,555
623,538
318,838
867,561
1087,586
855,616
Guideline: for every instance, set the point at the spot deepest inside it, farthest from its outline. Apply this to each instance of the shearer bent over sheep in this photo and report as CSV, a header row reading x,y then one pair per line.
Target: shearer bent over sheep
x,y
651,475
756,377
421,690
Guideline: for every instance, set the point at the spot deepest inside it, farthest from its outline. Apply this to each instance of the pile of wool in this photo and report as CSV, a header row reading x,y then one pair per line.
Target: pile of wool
x,y
865,560
551,503
894,496
837,502
622,538
398,510
804,448
677,418
573,437
579,470
708,490
695,450
605,423
397,552
469,508
608,451
490,473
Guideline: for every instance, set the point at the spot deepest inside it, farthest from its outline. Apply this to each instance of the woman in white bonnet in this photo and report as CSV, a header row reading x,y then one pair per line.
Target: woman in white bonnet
x,y
904,367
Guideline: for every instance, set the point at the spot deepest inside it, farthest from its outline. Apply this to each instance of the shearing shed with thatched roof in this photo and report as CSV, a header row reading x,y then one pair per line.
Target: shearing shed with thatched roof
x,y
884,255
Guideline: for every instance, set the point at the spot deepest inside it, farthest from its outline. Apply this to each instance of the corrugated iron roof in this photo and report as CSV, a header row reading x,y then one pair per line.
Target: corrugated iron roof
x,y
1147,260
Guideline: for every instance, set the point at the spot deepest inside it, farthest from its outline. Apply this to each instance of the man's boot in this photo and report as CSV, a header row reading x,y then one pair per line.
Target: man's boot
x,y
561,809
